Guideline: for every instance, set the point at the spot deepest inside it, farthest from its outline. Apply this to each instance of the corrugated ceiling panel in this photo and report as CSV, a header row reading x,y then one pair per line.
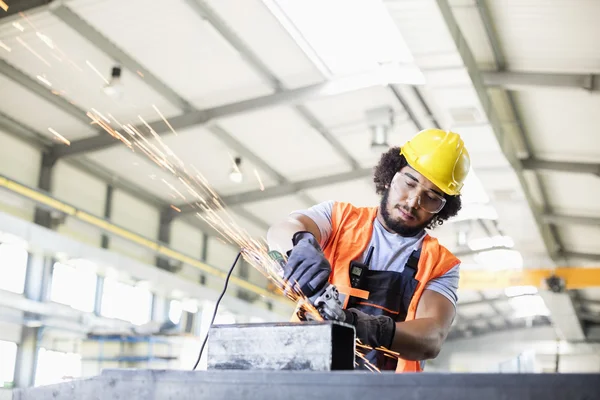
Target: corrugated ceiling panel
x,y
67,61
580,239
572,193
265,36
286,142
34,112
359,192
559,124
539,35
472,27
276,209
425,32
356,139
349,108
177,45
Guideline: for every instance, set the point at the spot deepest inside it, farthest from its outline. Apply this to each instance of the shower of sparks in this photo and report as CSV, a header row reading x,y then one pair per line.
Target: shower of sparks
x,y
175,208
4,46
164,119
207,205
33,51
3,5
89,64
60,137
18,26
262,187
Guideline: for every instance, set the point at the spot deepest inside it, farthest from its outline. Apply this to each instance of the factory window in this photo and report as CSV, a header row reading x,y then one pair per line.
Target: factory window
x,y
126,302
13,267
175,311
56,367
73,286
7,363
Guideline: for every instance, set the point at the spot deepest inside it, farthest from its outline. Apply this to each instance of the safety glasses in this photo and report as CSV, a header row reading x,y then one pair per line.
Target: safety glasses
x,y
428,200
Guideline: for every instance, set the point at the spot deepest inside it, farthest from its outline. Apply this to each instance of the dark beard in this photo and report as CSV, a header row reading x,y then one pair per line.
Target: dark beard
x,y
395,225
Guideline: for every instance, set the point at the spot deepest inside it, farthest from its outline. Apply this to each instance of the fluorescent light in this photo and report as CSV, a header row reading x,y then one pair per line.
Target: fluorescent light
x,y
348,36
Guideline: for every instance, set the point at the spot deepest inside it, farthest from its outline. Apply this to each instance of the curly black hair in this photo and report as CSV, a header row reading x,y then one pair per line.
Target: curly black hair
x,y
390,163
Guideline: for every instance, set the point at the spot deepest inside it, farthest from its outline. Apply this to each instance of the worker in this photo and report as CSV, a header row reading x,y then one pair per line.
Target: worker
x,y
402,293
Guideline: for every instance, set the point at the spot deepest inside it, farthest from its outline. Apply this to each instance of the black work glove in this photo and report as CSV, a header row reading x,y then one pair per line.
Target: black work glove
x,y
372,330
307,266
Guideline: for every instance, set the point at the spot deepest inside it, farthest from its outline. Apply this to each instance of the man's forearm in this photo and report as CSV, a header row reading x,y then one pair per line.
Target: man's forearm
x,y
279,236
419,339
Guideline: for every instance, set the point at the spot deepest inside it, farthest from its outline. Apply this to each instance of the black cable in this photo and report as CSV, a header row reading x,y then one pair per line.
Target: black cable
x,y
216,309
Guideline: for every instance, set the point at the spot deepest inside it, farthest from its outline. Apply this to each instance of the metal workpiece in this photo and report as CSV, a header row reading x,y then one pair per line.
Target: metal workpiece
x,y
307,346
300,385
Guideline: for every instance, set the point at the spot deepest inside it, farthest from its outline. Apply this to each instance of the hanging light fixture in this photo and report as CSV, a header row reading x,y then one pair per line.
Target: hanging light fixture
x,y
236,174
115,88
380,120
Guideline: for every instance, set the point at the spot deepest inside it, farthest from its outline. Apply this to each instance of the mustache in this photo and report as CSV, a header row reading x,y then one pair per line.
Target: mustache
x,y
408,210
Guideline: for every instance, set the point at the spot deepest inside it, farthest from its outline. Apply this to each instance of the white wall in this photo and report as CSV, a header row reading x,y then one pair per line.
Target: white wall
x,y
21,162
137,216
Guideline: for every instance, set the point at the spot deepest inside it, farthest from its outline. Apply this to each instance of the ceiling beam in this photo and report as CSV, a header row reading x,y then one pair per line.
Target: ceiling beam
x,y
532,80
21,6
561,219
562,166
80,26
287,189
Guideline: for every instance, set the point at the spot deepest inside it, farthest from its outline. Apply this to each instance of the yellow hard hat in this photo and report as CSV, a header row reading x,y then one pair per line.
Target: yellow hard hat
x,y
441,157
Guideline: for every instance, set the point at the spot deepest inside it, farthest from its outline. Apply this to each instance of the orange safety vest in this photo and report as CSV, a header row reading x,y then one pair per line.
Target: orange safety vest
x,y
352,228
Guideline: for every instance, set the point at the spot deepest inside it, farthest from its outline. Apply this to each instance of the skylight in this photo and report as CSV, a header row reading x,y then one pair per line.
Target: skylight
x,y
347,37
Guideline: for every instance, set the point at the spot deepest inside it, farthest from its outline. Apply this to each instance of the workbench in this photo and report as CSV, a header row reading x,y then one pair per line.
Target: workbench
x,y
317,385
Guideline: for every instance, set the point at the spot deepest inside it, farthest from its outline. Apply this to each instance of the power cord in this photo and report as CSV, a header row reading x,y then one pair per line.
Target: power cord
x,y
212,320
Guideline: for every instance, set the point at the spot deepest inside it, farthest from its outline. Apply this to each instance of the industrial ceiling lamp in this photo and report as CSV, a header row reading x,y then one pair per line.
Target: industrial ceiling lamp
x,y
380,120
236,174
114,88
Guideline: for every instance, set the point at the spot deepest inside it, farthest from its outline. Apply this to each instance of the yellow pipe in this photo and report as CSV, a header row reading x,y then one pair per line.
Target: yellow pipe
x,y
43,199
574,278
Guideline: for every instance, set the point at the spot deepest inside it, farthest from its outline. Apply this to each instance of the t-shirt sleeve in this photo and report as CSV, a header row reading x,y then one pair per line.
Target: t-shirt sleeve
x,y
321,215
447,284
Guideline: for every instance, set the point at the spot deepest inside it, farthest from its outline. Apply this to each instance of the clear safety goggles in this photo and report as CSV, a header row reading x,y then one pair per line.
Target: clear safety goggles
x,y
427,199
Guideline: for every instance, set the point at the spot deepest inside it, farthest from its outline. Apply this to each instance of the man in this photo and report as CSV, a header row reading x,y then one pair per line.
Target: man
x,y
405,297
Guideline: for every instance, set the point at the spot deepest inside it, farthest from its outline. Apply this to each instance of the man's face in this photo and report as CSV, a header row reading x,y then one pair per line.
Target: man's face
x,y
410,202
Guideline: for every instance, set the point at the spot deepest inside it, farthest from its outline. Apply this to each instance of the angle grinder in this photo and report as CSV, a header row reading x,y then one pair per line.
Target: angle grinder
x,y
326,301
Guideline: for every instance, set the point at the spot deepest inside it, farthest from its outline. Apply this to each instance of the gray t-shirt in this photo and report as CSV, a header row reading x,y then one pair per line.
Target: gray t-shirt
x,y
391,251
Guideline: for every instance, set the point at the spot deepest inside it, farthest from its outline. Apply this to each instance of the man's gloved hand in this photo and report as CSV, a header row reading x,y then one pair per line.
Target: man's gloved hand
x,y
307,265
372,330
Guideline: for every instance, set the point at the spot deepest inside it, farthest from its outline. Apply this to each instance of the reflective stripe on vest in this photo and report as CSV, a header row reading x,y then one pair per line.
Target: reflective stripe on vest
x,y
352,228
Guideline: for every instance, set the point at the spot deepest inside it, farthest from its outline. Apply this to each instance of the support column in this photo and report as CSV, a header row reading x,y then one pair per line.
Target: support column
x,y
105,242
42,216
36,288
204,256
164,236
160,308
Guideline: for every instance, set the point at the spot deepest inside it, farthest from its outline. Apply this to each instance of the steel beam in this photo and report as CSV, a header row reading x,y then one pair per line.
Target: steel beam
x,y
561,219
287,189
562,166
533,80
19,6
298,385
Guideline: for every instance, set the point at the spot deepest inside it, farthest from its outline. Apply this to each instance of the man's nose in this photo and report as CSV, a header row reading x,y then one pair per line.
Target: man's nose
x,y
413,200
